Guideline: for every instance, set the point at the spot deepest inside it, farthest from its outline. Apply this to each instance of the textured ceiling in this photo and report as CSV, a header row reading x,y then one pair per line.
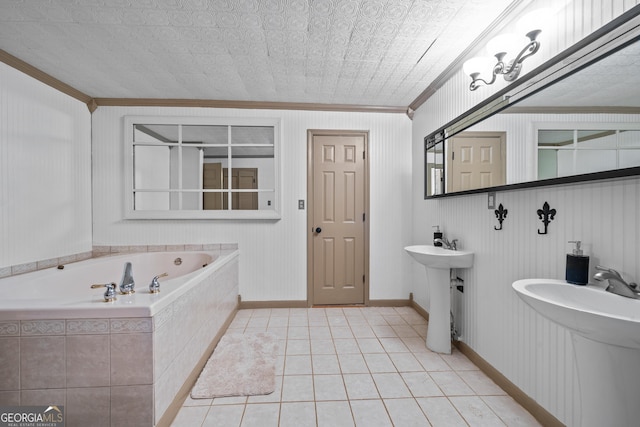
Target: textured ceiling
x,y
362,52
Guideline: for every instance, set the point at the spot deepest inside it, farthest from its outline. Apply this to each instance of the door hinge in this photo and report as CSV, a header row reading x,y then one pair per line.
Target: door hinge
x,y
363,281
363,155
364,215
453,155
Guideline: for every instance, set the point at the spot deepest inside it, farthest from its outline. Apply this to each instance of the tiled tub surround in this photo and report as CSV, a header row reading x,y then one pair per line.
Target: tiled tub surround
x,y
117,371
66,293
99,251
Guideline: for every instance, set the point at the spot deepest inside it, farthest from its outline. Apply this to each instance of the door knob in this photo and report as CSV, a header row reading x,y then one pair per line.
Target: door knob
x,y
318,230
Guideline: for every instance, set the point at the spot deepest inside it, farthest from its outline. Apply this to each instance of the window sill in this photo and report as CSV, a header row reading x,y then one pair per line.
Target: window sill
x,y
215,215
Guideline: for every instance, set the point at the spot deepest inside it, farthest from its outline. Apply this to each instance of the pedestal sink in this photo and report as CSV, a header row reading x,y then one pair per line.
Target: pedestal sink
x,y
438,262
605,331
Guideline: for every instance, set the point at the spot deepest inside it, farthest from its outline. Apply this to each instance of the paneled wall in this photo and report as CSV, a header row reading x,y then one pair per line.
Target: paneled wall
x,y
45,171
273,253
532,352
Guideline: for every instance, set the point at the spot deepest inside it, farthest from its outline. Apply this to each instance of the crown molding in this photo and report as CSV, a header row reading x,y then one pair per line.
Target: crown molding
x,y
256,105
45,78
93,103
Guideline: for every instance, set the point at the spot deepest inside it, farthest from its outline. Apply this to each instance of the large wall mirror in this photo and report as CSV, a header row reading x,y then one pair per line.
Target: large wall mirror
x,y
579,120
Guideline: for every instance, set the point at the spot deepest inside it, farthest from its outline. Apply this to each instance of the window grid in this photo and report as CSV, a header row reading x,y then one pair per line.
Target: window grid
x,y
178,190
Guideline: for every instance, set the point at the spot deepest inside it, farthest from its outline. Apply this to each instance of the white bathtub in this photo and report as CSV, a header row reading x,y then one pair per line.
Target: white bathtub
x,y
66,293
138,356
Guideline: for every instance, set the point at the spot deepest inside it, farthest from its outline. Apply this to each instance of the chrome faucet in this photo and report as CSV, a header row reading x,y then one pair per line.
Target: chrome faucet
x,y
447,244
110,293
154,286
617,284
127,283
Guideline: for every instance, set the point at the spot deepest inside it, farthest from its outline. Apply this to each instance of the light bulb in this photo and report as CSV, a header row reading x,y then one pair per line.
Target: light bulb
x,y
508,44
479,65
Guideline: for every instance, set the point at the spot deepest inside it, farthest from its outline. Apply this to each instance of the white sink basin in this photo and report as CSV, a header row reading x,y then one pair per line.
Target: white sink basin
x,y
605,332
588,310
438,262
437,257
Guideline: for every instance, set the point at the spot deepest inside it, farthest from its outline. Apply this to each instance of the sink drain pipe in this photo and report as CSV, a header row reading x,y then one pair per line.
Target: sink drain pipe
x,y
457,283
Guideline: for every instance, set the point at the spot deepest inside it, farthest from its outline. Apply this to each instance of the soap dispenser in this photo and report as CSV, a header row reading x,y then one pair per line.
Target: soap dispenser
x,y
577,266
437,234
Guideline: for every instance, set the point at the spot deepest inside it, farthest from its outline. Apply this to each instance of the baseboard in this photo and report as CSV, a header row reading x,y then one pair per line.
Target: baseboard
x,y
304,304
389,303
421,311
175,406
543,416
273,304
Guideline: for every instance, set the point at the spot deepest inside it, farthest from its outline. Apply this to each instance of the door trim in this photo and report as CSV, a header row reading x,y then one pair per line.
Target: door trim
x,y
319,132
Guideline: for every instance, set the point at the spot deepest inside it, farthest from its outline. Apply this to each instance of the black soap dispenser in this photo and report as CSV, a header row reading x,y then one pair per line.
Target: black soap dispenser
x,y
437,234
577,266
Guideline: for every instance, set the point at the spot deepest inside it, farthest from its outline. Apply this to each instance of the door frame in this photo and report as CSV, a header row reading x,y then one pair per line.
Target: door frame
x,y
332,132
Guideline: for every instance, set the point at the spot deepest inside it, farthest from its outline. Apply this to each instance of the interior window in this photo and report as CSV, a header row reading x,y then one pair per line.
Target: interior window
x,y
572,151
202,167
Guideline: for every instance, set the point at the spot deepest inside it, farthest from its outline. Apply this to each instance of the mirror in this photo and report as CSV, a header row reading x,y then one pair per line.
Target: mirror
x,y
576,123
201,168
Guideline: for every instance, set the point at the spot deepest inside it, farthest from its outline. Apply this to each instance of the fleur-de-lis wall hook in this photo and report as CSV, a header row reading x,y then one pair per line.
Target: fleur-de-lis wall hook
x,y
501,214
546,215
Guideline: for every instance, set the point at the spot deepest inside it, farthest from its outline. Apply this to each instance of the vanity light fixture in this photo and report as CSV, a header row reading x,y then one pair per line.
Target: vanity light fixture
x,y
504,48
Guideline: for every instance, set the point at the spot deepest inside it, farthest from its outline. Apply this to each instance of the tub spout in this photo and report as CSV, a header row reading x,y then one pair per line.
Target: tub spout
x,y
127,283
154,286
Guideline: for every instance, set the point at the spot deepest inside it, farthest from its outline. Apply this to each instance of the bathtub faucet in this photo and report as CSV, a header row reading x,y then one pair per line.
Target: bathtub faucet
x,y
154,286
110,293
127,283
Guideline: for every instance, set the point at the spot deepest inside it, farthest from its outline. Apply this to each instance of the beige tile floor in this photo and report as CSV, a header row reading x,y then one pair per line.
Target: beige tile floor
x,y
358,367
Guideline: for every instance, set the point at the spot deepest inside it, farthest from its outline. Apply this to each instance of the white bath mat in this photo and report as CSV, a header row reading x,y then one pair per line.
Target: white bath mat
x,y
241,365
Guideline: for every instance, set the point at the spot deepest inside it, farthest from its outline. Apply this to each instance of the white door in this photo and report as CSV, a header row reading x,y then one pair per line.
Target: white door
x,y
337,218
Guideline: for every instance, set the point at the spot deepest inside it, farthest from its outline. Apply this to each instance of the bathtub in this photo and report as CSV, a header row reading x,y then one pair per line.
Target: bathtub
x,y
130,362
65,291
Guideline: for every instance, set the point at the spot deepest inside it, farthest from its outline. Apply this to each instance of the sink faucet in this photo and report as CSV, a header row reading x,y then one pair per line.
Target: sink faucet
x,y
617,285
127,283
446,244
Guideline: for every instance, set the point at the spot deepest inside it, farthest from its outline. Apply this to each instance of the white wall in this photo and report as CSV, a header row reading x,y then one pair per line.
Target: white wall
x,y
532,352
45,175
273,253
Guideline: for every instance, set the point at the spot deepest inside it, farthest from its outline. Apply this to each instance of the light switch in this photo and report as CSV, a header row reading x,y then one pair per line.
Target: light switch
x,y
491,200
300,204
